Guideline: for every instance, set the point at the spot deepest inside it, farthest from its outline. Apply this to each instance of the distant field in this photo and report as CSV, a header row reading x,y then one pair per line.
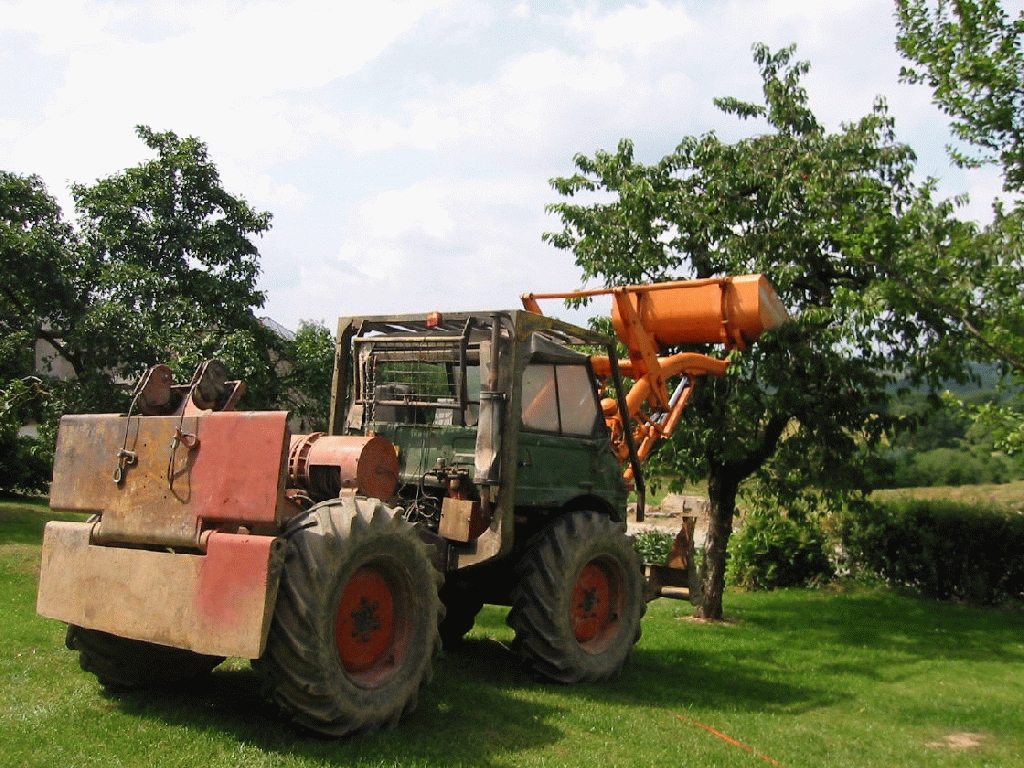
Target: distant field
x,y
802,677
1009,495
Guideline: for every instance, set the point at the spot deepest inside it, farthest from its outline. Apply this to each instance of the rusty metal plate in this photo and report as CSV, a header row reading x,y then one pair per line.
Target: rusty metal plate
x,y
456,518
241,466
225,467
220,603
84,461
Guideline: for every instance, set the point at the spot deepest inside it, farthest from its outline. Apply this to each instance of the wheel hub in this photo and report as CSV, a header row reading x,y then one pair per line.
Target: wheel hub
x,y
594,612
365,627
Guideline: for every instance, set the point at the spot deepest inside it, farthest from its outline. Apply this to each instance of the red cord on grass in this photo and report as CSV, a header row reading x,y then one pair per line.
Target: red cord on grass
x,y
729,739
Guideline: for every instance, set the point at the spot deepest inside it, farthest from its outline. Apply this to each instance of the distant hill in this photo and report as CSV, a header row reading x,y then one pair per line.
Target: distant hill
x,y
987,377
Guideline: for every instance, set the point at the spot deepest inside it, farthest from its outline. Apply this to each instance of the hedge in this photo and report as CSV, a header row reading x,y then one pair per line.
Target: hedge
x,y
944,549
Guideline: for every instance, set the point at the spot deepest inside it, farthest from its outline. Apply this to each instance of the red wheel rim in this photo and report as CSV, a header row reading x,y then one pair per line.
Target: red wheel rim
x,y
365,631
595,604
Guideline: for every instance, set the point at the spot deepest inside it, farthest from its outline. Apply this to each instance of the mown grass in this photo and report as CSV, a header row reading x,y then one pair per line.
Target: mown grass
x,y
807,678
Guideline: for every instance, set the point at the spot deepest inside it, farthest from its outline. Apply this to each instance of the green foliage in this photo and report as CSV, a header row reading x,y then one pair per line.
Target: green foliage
x,y
944,549
967,279
1004,422
306,382
39,282
654,546
25,461
173,271
162,267
773,550
948,466
949,444
969,53
41,279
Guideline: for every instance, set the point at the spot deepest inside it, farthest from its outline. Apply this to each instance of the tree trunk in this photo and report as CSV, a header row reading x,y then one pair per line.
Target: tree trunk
x,y
723,483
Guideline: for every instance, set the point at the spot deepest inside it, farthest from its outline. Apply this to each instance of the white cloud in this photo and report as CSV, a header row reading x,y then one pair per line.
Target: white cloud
x,y
223,72
635,27
260,48
404,146
803,9
441,243
59,27
398,211
545,70
266,192
525,107
424,125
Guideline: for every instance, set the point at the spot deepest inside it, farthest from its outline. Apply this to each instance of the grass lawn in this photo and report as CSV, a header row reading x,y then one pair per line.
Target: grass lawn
x,y
806,678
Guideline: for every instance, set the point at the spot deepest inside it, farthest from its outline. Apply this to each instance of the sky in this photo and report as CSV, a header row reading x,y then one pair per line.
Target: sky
x,y
404,147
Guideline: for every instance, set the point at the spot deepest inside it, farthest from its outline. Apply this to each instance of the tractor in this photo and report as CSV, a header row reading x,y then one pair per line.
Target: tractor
x,y
471,458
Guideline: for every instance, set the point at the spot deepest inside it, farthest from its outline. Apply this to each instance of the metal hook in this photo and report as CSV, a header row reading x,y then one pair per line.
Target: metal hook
x,y
125,458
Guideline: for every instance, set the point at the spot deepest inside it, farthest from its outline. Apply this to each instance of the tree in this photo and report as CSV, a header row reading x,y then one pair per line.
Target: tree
x,y
40,281
824,216
969,53
40,285
174,270
162,267
306,385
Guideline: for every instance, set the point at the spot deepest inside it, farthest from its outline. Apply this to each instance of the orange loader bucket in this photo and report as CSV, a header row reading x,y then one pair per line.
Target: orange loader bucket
x,y
732,310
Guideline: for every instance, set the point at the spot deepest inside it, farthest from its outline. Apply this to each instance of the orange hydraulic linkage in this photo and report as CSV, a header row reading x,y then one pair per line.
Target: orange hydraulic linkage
x,y
733,311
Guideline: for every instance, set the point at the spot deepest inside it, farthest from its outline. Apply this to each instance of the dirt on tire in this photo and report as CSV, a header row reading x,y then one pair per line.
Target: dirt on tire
x,y
355,627
555,634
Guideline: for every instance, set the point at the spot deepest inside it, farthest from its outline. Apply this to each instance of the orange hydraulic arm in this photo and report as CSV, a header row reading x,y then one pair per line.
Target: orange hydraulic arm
x,y
733,311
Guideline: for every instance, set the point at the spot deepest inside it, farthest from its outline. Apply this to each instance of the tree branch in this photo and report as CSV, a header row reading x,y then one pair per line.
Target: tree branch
x,y
769,443
1008,357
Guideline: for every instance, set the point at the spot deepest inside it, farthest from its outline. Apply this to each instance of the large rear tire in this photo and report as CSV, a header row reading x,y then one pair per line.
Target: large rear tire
x,y
354,630
119,662
577,606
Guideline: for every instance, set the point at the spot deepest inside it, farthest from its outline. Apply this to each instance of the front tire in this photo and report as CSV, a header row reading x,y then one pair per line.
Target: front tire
x,y
577,606
354,630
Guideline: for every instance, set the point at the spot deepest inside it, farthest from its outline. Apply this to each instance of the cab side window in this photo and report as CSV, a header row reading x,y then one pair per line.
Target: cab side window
x,y
559,399
540,401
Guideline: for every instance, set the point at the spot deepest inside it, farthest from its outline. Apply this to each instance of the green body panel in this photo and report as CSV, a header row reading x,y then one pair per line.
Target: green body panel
x,y
553,470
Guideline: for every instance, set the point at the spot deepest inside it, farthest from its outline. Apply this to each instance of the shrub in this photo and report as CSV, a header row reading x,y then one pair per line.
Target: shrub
x,y
772,550
944,549
654,546
25,463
